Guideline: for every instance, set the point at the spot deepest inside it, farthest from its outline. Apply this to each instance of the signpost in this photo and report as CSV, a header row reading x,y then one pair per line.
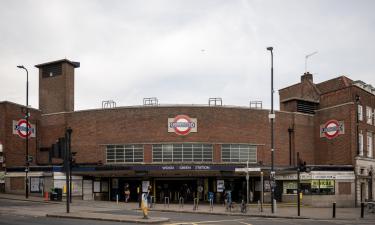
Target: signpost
x,y
247,170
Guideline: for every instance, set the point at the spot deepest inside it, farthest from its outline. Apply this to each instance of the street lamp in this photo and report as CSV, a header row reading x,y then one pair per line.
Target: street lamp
x,y
272,117
27,132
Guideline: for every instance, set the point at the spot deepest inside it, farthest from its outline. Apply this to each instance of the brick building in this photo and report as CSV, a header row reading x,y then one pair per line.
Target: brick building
x,y
190,150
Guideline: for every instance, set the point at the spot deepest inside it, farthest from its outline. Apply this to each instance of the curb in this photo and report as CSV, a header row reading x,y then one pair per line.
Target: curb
x,y
232,214
260,215
154,220
32,200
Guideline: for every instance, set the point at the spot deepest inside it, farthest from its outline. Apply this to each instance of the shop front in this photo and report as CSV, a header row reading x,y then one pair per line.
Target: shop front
x,y
319,188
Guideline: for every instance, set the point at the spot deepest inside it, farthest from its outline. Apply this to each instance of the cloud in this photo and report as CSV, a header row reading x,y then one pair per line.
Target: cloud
x,y
183,51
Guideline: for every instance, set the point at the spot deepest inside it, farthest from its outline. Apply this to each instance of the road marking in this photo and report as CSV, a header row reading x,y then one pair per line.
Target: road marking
x,y
210,221
244,223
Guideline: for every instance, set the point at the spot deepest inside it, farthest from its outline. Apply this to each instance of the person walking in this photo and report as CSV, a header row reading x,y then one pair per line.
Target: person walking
x,y
149,194
139,193
127,192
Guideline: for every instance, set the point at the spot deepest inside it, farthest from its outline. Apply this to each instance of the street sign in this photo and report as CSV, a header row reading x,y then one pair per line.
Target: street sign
x,y
256,169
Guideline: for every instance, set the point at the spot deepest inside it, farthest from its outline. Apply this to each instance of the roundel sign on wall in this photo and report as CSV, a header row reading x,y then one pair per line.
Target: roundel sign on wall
x,y
182,125
23,129
331,129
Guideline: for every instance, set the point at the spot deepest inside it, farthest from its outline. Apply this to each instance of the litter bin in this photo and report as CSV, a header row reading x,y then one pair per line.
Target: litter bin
x,y
56,194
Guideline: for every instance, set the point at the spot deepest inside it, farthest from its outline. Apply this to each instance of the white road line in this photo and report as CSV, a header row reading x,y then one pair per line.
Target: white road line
x,y
244,223
204,222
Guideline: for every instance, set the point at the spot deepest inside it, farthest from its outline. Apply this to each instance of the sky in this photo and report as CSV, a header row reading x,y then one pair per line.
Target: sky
x,y
184,52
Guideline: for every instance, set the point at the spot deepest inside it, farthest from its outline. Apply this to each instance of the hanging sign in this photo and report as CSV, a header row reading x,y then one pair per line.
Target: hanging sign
x,y
23,129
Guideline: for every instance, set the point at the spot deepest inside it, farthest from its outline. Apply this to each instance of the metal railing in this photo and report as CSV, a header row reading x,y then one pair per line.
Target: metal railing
x,y
196,203
181,202
152,201
211,200
166,202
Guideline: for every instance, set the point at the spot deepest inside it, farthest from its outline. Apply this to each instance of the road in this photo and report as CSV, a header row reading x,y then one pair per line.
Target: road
x,y
14,212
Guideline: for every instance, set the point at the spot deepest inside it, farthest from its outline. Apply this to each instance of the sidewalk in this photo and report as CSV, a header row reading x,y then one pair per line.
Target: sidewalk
x,y
282,211
93,210
107,210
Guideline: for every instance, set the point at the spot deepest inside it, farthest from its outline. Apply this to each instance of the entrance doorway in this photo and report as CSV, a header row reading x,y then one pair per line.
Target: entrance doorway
x,y
174,188
119,188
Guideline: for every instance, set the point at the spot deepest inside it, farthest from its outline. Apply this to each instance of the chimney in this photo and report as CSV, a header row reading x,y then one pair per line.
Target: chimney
x,y
56,86
307,77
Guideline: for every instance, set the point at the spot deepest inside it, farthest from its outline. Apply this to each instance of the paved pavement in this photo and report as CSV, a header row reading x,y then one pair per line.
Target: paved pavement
x,y
105,210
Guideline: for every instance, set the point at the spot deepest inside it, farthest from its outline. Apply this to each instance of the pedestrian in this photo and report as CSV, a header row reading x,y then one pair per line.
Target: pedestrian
x,y
127,192
149,194
139,193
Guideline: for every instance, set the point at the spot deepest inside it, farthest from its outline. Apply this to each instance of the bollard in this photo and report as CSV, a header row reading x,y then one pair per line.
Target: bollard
x,y
362,209
166,202
46,197
259,205
275,206
181,202
334,210
196,203
117,199
152,202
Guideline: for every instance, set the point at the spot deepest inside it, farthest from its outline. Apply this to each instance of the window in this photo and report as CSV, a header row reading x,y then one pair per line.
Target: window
x,y
52,70
327,187
182,153
369,115
360,113
369,145
310,187
290,187
360,143
124,153
238,153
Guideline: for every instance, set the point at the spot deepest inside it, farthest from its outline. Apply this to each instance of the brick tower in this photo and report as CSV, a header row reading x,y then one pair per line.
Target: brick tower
x,y
56,86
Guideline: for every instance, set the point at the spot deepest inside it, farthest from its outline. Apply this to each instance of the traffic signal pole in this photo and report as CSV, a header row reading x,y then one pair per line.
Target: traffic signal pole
x,y
298,192
67,168
67,162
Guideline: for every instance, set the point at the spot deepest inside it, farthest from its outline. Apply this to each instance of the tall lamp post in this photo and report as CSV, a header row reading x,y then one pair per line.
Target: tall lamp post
x,y
272,117
27,132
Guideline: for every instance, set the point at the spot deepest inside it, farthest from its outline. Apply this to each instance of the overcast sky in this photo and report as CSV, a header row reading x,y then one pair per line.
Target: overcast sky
x,y
183,52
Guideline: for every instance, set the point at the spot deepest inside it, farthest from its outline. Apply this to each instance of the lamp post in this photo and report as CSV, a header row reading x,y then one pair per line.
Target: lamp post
x,y
272,117
27,132
357,102
247,182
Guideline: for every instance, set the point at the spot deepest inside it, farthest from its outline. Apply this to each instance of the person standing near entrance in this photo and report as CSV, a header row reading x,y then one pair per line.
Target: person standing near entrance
x,y
139,193
149,194
127,192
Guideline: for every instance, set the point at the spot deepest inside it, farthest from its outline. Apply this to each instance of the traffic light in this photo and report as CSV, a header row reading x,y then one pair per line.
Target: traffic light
x,y
302,167
58,149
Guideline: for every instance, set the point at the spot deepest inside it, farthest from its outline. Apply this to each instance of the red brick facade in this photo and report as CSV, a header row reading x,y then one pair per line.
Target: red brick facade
x,y
304,108
94,129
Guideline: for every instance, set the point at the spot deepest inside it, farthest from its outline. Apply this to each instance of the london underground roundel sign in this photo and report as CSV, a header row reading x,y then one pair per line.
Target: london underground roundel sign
x,y
21,129
182,125
331,129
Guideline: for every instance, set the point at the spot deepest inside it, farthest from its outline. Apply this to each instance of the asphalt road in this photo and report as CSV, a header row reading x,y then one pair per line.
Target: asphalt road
x,y
21,217
218,220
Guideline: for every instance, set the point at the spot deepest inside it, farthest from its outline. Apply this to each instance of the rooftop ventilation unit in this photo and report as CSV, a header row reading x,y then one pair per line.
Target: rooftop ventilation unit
x,y
150,101
215,102
255,104
108,104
